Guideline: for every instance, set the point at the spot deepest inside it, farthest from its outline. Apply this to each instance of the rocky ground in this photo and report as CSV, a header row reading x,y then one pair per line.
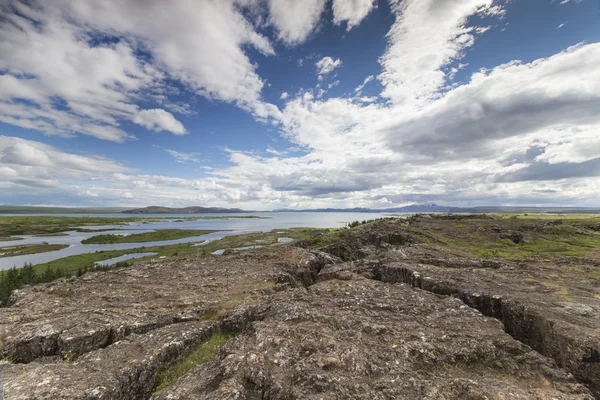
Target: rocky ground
x,y
387,310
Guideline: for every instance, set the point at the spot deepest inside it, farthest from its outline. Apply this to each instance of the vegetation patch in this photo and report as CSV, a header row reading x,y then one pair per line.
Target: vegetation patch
x,y
9,238
11,251
160,235
201,354
545,236
27,275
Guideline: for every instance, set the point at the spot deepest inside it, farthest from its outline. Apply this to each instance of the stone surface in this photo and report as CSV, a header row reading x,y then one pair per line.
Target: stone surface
x,y
379,316
363,339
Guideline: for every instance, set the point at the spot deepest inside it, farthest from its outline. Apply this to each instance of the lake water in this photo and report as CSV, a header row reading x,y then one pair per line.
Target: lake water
x,y
232,226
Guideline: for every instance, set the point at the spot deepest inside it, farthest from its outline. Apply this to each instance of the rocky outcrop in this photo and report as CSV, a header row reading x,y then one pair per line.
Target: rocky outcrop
x,y
363,339
79,315
558,322
375,316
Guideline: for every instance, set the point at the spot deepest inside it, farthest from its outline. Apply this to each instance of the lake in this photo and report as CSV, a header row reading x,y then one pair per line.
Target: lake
x,y
233,226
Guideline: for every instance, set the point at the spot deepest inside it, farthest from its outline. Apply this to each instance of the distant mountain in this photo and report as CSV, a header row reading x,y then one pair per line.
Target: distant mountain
x,y
434,208
414,208
424,208
327,210
185,210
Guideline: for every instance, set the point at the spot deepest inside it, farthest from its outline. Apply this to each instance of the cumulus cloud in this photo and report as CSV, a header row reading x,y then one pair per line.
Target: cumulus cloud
x,y
284,95
351,11
326,65
412,73
77,67
517,133
472,144
30,164
295,20
512,100
158,120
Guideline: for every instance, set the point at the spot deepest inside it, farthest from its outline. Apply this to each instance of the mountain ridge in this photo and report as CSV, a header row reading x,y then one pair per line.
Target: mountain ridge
x,y
183,210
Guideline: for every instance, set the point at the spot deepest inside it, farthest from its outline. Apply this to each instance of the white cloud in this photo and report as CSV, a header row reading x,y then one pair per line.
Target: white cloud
x,y
473,145
351,11
576,144
326,65
75,83
512,100
284,95
560,26
362,85
183,157
412,73
295,20
30,164
158,120
520,132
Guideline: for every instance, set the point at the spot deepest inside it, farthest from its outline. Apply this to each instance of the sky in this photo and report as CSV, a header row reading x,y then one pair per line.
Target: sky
x,y
269,104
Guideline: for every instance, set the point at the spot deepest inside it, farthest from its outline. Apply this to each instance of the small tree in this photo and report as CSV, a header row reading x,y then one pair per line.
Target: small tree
x,y
27,275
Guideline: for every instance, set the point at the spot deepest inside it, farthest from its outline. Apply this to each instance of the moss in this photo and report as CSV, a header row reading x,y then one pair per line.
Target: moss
x,y
210,315
201,354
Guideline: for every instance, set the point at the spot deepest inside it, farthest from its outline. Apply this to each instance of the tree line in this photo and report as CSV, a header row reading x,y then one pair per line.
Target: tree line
x,y
15,278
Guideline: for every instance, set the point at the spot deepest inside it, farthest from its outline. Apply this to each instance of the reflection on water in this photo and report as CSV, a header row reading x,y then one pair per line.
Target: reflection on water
x,y
233,226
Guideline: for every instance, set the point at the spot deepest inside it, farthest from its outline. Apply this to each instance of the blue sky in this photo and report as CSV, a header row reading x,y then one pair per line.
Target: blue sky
x,y
266,104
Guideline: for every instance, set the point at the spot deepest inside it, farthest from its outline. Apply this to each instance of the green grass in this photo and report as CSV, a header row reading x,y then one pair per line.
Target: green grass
x,y
11,251
544,236
163,234
72,264
201,354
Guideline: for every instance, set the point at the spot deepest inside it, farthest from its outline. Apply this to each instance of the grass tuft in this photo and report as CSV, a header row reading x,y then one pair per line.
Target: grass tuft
x,y
201,354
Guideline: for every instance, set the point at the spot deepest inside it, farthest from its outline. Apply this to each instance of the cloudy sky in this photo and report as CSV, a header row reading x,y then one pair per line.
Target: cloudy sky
x,y
264,104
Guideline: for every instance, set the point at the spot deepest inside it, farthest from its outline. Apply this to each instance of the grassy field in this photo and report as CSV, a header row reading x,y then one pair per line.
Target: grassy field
x,y
163,234
544,235
10,251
